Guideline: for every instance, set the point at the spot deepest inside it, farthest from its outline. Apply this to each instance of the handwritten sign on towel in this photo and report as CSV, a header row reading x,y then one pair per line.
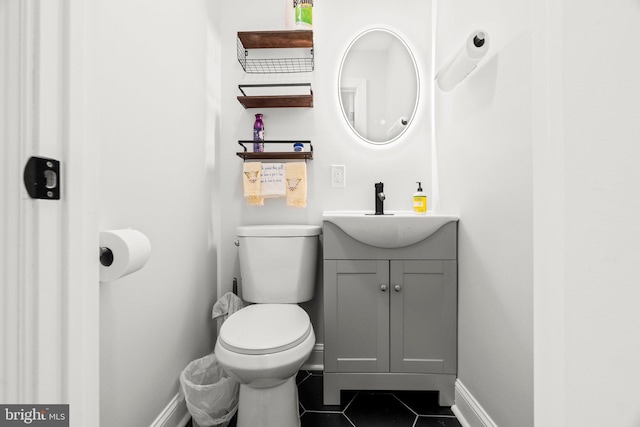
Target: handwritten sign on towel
x,y
272,180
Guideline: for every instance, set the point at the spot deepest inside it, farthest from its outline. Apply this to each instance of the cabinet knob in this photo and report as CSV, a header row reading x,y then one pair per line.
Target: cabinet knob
x,y
397,288
383,288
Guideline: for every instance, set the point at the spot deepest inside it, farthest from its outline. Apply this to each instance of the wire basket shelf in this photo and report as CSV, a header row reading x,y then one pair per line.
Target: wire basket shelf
x,y
275,65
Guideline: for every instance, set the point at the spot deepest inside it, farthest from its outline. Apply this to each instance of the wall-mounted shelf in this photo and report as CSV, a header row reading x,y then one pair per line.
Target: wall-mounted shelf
x,y
276,155
301,40
286,95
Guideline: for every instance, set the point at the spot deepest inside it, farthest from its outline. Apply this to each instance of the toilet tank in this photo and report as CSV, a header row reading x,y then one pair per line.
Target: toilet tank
x,y
278,262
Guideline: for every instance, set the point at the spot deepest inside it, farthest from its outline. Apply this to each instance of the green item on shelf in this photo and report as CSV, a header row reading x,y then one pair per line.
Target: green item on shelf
x,y
304,12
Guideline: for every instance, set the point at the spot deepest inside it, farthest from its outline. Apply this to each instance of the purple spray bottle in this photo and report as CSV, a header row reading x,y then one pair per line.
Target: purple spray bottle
x,y
258,134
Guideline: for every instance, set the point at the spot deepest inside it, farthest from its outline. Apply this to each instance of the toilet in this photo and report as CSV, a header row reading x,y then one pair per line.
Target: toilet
x,y
264,345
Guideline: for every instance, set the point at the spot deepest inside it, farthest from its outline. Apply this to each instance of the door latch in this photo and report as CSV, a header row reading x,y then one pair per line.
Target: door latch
x,y
42,178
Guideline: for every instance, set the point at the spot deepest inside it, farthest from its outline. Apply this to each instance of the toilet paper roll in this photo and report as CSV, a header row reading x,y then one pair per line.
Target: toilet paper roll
x,y
465,61
130,250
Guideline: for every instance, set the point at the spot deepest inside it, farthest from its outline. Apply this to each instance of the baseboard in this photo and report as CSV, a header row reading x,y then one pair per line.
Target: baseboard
x,y
468,410
461,419
315,362
175,414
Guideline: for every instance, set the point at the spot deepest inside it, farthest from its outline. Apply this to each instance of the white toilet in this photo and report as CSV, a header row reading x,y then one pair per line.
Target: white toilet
x,y
265,344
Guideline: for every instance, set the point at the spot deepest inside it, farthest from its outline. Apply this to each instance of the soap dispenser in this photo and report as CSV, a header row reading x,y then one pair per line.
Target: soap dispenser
x,y
419,201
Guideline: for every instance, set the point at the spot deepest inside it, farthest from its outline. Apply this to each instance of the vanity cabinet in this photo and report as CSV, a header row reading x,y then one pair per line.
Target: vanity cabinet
x,y
390,315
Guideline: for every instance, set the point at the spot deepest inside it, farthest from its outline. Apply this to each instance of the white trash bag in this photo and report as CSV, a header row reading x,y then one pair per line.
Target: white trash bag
x,y
211,395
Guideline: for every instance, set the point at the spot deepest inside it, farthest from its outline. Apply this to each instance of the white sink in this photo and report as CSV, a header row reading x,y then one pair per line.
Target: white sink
x,y
395,229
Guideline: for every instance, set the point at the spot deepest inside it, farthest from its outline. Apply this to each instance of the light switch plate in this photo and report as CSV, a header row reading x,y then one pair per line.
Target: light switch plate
x,y
338,176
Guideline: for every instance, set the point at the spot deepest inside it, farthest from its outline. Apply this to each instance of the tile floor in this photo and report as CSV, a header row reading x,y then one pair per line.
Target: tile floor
x,y
368,409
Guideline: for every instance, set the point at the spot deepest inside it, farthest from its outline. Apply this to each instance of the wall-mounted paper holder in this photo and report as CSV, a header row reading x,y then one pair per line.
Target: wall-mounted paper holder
x,y
122,252
464,62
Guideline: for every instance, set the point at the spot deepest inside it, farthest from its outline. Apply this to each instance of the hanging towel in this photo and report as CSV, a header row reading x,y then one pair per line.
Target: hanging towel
x,y
272,180
251,172
228,304
296,174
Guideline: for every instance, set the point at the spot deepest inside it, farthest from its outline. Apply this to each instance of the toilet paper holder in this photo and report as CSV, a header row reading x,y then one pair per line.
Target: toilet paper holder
x,y
464,62
106,256
122,252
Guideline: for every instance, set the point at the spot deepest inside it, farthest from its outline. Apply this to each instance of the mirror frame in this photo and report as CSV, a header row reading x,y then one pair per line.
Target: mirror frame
x,y
411,53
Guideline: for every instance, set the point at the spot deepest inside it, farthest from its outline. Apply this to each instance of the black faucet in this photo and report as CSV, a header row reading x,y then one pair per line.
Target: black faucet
x,y
379,198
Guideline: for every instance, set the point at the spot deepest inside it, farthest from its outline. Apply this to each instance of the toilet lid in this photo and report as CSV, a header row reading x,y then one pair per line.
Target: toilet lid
x,y
265,328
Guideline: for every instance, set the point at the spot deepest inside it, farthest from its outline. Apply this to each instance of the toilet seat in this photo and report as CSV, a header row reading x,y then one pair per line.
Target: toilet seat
x,y
265,329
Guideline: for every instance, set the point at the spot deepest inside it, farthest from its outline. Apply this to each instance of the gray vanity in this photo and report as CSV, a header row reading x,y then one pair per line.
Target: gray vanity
x,y
390,311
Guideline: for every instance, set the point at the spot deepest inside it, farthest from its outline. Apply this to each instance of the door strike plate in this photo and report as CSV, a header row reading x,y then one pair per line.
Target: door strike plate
x,y
42,178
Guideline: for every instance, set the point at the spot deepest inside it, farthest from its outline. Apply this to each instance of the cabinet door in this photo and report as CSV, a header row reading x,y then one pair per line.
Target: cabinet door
x,y
356,315
423,316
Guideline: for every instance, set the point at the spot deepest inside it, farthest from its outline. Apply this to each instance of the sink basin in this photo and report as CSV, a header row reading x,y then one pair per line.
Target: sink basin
x,y
395,229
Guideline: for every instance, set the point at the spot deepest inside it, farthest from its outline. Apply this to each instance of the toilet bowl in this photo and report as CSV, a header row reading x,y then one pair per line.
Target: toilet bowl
x,y
263,346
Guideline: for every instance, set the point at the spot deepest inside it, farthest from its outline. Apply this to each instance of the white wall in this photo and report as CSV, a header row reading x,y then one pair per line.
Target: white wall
x,y
593,122
484,142
538,150
546,195
558,178
156,175
335,25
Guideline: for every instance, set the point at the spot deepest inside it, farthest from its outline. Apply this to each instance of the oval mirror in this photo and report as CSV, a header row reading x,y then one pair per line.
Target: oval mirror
x,y
378,86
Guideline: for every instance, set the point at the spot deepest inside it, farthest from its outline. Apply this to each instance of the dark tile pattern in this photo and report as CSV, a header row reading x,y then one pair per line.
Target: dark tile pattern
x,y
379,410
368,409
423,402
436,422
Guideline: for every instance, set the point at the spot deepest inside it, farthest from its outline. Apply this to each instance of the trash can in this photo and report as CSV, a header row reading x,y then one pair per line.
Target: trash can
x,y
211,395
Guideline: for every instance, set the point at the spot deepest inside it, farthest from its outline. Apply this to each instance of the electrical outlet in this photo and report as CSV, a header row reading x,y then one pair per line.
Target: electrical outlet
x,y
338,176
